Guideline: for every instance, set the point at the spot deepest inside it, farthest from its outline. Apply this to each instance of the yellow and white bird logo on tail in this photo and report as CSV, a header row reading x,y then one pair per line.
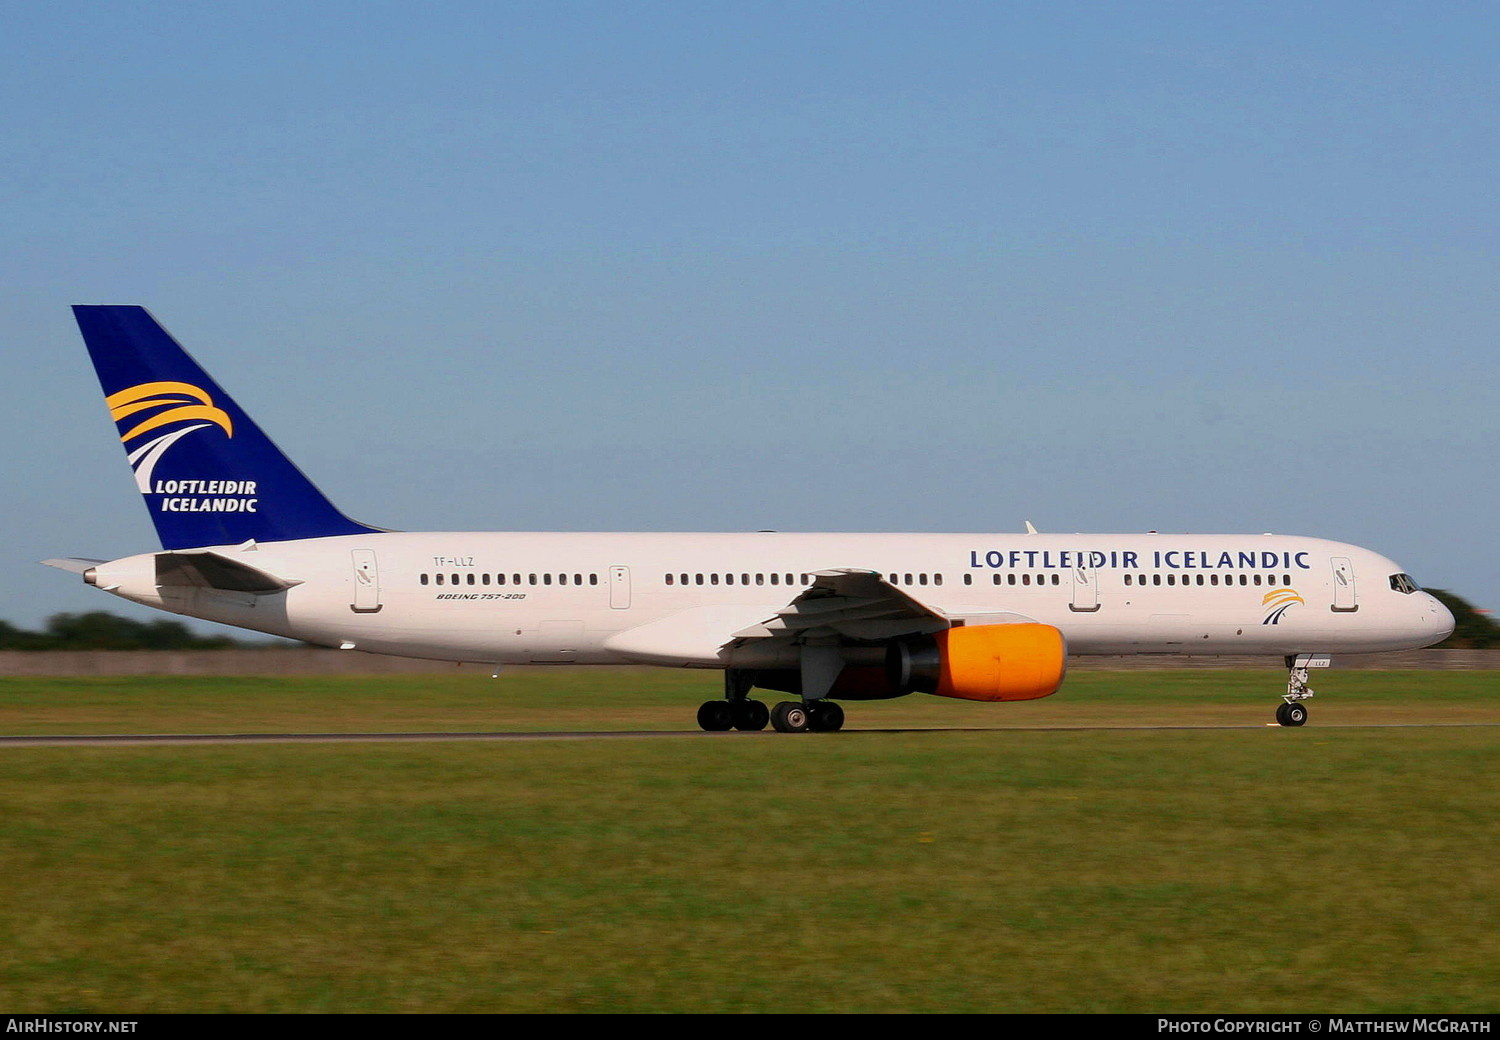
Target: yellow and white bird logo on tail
x,y
1277,602
171,403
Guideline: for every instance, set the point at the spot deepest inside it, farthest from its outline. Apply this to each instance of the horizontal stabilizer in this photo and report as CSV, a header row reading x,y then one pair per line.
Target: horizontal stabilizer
x,y
72,564
209,570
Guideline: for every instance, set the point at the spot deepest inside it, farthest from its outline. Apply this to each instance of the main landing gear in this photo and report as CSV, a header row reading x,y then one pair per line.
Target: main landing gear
x,y
738,711
1292,712
819,716
719,716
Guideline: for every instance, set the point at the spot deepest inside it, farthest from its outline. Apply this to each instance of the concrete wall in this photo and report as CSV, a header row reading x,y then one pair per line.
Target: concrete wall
x,y
349,662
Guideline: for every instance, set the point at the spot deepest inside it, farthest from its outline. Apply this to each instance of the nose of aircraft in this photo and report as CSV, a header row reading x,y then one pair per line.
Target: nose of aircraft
x,y
1439,618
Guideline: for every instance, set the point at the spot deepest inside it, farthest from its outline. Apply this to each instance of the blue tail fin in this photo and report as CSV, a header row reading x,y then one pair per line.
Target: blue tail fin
x,y
209,475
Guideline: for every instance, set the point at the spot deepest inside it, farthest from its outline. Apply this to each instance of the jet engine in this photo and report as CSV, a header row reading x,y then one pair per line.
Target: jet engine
x,y
1018,662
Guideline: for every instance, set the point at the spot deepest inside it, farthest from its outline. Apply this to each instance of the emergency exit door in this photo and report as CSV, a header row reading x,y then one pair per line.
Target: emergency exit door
x,y
619,587
1085,589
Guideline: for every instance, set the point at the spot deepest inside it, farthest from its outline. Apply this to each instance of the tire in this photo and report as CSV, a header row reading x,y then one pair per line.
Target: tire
x,y
825,717
1281,713
749,716
715,717
789,717
1296,715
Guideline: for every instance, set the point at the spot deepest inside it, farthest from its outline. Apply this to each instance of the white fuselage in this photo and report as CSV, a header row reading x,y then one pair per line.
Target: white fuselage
x,y
678,599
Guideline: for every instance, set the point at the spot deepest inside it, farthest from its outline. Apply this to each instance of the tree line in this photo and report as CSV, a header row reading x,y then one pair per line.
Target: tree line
x,y
1472,629
101,630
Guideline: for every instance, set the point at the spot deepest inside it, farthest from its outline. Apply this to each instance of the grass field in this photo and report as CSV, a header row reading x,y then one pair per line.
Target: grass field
x,y
632,699
968,868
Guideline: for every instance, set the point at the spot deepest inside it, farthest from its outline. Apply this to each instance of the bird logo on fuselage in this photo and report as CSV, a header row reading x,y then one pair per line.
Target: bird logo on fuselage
x,y
1277,602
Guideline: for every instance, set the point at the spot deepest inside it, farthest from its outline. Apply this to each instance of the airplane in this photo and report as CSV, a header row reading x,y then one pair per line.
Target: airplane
x,y
247,540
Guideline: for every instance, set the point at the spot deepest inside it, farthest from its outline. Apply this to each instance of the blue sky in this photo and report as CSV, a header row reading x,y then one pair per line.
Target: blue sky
x,y
813,266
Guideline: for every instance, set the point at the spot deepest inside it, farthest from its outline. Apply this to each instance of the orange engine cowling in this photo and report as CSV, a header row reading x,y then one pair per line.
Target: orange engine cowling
x,y
985,663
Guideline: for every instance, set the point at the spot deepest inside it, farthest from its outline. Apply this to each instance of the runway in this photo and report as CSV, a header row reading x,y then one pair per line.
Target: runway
x,y
182,739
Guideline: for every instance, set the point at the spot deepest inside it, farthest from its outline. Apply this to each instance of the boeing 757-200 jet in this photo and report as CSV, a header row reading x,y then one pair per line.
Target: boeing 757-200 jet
x,y
247,540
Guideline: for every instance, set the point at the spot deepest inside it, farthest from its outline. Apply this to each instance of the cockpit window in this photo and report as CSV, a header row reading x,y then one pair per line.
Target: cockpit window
x,y
1404,583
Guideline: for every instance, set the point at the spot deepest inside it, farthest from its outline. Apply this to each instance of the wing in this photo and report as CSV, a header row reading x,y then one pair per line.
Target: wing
x,y
848,605
819,629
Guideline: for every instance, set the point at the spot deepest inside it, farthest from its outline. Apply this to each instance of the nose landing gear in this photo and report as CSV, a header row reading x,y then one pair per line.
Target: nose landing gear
x,y
1292,712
